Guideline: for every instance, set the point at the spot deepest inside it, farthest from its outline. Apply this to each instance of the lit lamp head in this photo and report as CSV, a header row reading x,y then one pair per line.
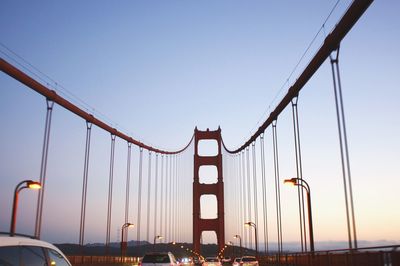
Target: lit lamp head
x,y
248,224
130,225
292,181
33,184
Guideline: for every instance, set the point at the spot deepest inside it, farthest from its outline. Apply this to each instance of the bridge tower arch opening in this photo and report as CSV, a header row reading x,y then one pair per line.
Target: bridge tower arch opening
x,y
200,224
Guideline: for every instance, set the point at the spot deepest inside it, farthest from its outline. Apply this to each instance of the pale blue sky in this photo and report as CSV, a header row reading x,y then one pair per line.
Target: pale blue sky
x,y
157,69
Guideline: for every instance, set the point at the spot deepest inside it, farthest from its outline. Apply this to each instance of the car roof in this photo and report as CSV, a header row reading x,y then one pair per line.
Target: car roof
x,y
6,240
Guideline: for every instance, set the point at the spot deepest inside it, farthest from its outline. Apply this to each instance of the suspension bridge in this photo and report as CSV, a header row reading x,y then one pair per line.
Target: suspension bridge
x,y
171,186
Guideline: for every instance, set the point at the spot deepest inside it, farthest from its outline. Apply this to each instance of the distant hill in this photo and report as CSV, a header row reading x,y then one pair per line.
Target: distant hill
x,y
117,244
138,249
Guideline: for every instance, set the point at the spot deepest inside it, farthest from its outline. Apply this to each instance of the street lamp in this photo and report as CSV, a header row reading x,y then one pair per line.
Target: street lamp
x,y
255,233
240,244
154,243
124,243
300,182
24,184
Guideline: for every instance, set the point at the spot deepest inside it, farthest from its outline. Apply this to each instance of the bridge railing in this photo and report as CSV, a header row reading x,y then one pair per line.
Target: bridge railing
x,y
372,256
104,260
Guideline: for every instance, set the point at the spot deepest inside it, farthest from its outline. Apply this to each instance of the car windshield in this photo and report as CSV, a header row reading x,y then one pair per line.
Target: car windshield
x,y
249,259
238,259
155,258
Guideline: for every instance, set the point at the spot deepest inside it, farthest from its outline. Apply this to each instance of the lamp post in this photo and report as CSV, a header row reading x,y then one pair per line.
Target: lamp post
x,y
255,234
155,238
240,244
24,184
300,182
124,243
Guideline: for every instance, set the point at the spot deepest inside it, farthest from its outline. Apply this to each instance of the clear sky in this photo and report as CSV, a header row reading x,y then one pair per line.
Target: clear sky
x,y
156,69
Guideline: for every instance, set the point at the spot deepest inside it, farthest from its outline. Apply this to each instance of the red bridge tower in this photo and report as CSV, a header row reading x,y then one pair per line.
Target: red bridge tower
x,y
199,225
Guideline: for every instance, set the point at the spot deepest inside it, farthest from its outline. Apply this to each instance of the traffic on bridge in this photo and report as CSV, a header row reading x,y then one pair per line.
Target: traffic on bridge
x,y
314,182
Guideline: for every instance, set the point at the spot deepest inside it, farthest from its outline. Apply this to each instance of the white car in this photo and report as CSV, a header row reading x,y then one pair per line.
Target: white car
x,y
17,250
236,261
249,261
158,259
212,261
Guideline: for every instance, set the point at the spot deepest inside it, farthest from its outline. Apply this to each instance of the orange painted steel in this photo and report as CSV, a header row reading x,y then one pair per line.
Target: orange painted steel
x,y
331,43
199,225
51,95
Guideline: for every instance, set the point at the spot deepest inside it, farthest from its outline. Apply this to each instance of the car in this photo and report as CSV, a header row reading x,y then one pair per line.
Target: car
x,y
236,261
226,260
212,261
186,261
249,261
25,250
197,261
159,258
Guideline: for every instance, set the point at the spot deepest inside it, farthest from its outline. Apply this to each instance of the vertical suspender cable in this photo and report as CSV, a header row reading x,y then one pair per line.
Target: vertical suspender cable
x,y
166,198
239,177
244,233
299,170
277,188
43,168
172,209
110,190
170,200
128,178
179,199
162,194
155,194
174,201
148,199
139,194
235,189
176,198
249,194
264,191
85,182
344,151
255,185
